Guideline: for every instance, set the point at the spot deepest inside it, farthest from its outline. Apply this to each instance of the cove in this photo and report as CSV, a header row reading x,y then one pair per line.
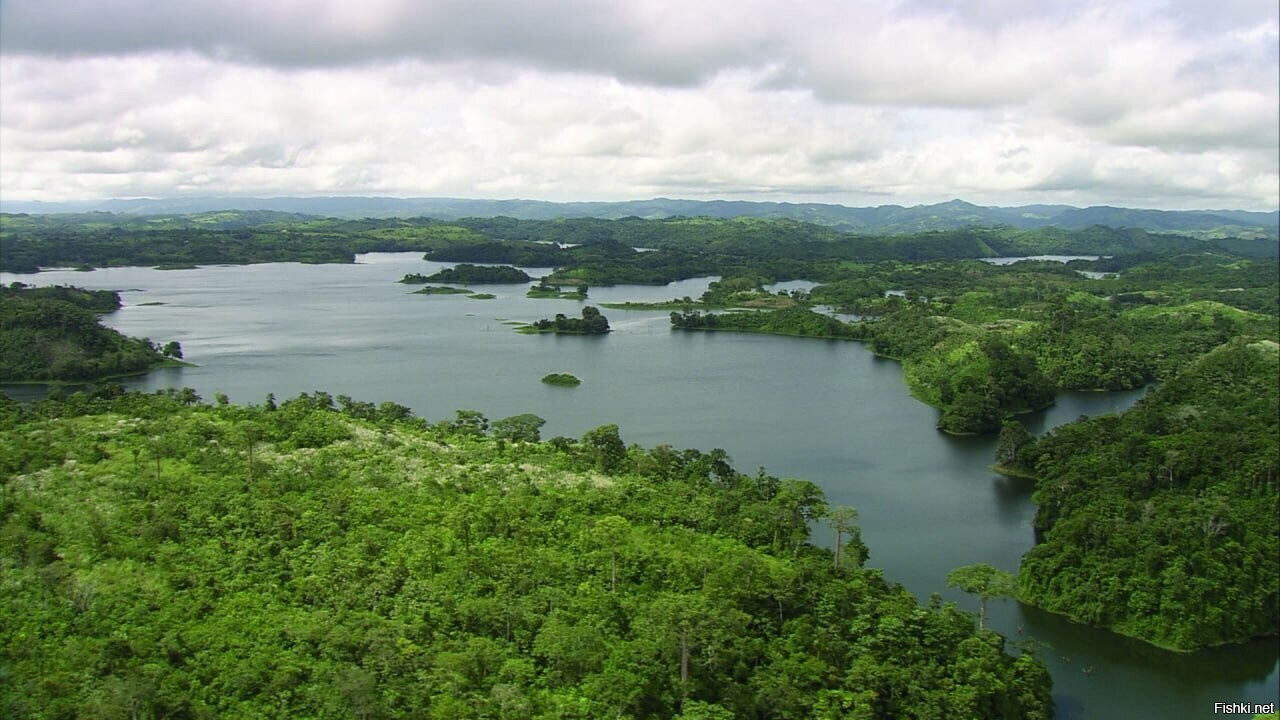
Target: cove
x,y
826,411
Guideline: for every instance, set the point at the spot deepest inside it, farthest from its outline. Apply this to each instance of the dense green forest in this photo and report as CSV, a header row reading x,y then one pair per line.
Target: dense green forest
x,y
332,558
53,334
981,342
1142,516
1162,522
599,252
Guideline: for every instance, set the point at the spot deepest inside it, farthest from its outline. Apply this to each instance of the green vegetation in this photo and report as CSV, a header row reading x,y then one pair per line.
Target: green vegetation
x,y
565,379
164,558
981,342
53,334
600,252
441,290
984,581
799,322
1159,523
591,323
544,291
465,274
481,296
1162,522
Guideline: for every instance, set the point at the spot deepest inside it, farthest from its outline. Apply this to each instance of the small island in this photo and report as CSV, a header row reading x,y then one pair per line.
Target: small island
x,y
556,292
440,290
466,274
561,379
591,323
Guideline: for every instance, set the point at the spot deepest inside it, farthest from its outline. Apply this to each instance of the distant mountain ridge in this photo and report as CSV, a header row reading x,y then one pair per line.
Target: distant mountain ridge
x,y
884,219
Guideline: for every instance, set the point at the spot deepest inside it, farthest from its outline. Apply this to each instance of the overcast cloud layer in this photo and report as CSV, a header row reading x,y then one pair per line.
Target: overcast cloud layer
x,y
1145,103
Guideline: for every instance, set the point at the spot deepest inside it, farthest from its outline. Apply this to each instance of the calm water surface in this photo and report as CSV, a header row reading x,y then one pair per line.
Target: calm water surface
x,y
821,410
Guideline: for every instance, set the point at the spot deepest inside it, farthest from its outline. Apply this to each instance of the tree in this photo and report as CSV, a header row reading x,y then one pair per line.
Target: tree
x,y
470,422
612,530
796,504
841,518
606,446
172,349
985,581
519,428
1014,437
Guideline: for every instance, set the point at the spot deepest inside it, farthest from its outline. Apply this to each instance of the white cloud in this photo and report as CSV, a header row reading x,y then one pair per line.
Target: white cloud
x,y
1166,103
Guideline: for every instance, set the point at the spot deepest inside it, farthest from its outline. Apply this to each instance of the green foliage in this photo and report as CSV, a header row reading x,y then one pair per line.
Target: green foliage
x,y
1014,440
800,322
519,428
466,274
606,448
564,379
842,519
324,558
53,334
543,290
584,249
441,290
1162,522
975,376
591,323
986,582
981,342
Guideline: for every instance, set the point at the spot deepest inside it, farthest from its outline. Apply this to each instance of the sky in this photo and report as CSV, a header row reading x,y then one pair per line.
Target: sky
x,y
1146,103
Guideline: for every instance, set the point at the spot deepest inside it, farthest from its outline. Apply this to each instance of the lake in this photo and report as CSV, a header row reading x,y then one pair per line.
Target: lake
x,y
822,410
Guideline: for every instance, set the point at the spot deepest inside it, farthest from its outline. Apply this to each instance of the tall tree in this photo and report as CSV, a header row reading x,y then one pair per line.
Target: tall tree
x,y
984,580
842,519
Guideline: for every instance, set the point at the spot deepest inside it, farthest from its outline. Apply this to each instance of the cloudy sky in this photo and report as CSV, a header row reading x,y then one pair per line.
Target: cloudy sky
x,y
1145,103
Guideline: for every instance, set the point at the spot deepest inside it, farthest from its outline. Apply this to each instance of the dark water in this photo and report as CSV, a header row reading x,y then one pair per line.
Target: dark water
x,y
822,410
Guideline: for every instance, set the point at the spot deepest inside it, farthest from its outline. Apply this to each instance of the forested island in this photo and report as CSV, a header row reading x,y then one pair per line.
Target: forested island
x,y
466,274
557,292
330,557
562,379
591,323
53,334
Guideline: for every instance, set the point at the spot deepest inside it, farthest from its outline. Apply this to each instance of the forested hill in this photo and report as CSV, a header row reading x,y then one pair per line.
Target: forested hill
x,y
1162,522
883,219
53,334
165,558
602,249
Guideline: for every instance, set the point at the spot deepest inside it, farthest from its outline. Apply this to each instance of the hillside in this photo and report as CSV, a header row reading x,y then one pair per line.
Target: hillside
x,y
1161,522
53,334
883,219
164,558
592,250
